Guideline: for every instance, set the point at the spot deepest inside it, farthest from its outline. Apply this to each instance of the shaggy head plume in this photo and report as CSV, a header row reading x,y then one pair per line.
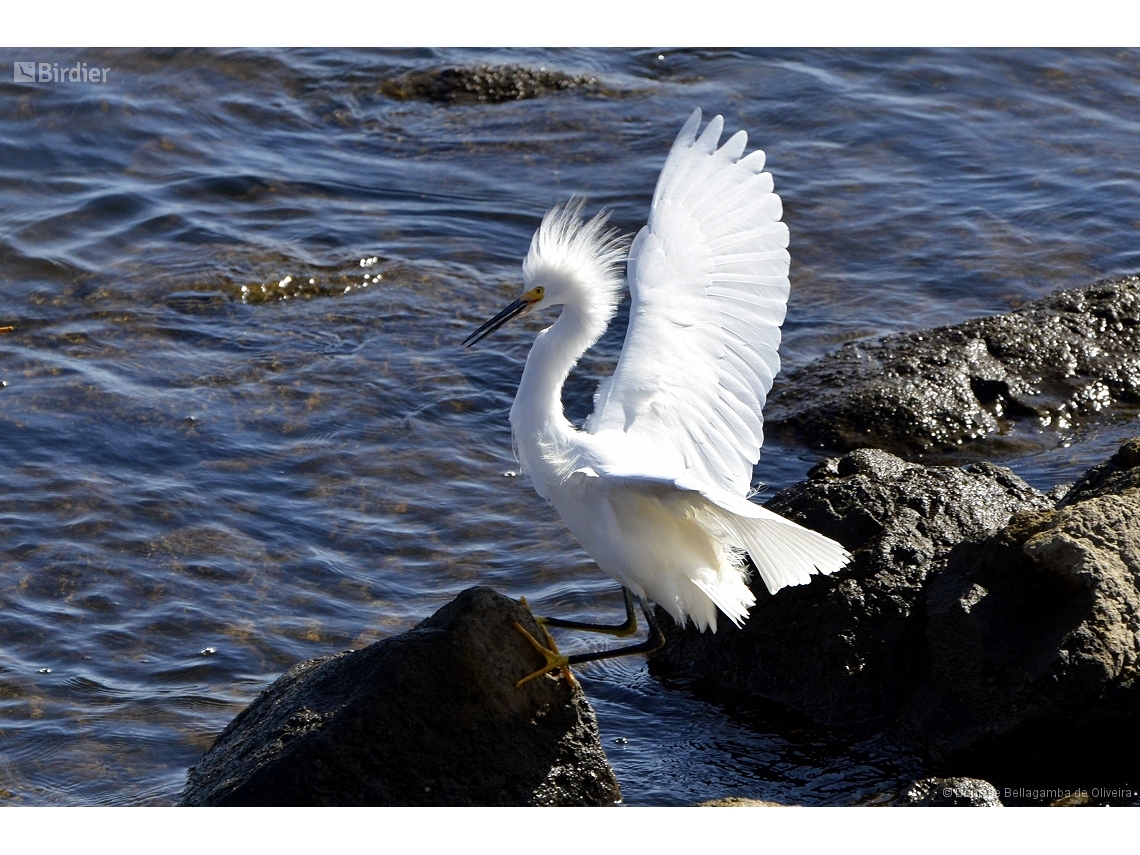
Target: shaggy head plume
x,y
569,254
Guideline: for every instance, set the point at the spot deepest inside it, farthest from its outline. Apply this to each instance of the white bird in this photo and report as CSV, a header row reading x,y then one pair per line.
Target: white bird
x,y
656,487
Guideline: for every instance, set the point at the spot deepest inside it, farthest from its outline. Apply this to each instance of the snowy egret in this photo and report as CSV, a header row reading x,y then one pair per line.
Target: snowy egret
x,y
656,486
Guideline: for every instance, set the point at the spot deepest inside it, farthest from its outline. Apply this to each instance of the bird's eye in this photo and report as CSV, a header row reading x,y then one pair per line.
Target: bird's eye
x,y
540,291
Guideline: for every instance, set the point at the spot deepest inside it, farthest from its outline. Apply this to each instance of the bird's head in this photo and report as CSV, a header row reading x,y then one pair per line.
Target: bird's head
x,y
571,262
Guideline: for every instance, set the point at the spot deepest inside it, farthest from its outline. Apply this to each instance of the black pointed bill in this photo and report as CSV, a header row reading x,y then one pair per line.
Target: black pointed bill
x,y
513,310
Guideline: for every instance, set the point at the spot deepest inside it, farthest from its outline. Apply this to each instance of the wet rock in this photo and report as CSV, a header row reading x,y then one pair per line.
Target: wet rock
x,y
848,648
948,792
988,627
1051,365
1033,632
738,801
484,83
429,717
1077,799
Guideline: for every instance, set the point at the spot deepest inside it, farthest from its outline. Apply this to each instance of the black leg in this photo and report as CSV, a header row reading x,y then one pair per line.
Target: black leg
x,y
555,660
621,630
653,643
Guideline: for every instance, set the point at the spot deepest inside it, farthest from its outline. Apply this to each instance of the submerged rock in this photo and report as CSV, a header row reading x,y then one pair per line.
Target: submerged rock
x,y
484,83
429,717
848,648
1051,365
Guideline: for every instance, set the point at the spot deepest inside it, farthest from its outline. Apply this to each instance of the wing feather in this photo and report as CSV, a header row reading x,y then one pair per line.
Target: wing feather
x,y
755,240
733,184
768,208
708,280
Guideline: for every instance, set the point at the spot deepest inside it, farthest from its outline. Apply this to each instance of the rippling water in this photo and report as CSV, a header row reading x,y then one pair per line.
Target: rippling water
x,y
236,428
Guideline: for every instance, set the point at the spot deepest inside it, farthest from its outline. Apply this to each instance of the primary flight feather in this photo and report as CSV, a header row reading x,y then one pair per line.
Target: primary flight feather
x,y
656,486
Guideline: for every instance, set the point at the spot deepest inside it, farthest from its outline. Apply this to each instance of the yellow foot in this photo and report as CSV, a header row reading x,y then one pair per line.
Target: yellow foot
x,y
554,659
540,621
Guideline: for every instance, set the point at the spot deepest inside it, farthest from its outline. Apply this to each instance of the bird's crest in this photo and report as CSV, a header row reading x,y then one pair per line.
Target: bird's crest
x,y
571,248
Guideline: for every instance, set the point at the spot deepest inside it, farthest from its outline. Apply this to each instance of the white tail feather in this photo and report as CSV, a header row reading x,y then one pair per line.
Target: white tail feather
x,y
784,553
729,599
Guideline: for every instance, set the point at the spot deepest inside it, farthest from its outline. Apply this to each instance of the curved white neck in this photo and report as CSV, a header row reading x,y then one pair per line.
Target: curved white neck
x,y
542,434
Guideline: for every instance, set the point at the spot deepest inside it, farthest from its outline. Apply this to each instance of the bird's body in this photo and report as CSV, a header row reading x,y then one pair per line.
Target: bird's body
x,y
655,488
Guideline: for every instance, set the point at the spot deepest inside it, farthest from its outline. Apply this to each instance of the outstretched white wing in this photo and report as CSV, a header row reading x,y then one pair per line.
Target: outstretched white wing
x,y
708,279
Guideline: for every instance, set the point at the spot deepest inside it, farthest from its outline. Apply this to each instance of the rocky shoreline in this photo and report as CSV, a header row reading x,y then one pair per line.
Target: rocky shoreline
x,y
987,387
991,627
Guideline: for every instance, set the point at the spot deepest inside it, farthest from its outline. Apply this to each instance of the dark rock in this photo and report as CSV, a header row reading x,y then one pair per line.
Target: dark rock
x,y
948,792
484,83
429,717
1049,366
848,648
983,625
1036,628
